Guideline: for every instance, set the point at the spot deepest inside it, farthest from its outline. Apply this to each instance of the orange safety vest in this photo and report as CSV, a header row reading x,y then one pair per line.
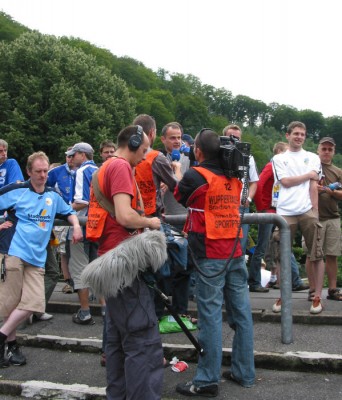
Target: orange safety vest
x,y
221,208
96,214
145,182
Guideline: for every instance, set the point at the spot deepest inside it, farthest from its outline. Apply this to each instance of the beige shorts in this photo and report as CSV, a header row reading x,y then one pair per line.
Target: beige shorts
x,y
61,233
23,287
310,228
331,237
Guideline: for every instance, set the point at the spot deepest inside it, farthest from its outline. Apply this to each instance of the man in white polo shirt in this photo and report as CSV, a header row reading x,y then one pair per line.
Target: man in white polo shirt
x,y
297,172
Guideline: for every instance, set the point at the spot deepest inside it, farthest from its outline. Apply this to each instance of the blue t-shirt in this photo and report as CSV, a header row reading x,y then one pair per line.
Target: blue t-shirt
x,y
34,215
62,178
10,172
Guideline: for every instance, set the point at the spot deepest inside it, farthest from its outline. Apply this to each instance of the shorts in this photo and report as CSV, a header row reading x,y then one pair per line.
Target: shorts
x,y
23,288
331,237
61,233
81,254
310,228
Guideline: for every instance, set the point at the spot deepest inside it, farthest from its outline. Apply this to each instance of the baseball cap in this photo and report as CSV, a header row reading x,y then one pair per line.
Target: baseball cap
x,y
327,139
188,138
81,147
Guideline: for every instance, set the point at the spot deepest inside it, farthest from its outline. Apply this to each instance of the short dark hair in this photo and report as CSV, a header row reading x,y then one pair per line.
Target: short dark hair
x,y
173,125
146,121
208,142
295,124
125,134
107,143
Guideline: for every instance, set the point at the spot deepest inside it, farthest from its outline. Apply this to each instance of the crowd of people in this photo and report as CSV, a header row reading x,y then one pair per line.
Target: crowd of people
x,y
132,190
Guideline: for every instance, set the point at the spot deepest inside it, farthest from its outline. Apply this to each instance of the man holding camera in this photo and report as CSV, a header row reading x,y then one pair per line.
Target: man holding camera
x,y
213,206
253,178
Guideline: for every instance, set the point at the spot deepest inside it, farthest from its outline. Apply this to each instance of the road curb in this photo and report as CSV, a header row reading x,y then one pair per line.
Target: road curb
x,y
299,360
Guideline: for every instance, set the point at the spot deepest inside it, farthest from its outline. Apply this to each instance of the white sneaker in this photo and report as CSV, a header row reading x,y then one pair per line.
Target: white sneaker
x,y
276,308
43,316
316,306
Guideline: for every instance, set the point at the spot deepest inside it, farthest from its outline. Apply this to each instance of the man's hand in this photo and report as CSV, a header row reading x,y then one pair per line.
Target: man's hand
x,y
6,225
154,223
77,235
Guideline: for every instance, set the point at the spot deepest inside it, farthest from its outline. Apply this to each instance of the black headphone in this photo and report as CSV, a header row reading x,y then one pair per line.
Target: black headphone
x,y
136,140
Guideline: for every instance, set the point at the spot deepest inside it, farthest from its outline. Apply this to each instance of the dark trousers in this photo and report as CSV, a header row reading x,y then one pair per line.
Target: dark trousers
x,y
134,354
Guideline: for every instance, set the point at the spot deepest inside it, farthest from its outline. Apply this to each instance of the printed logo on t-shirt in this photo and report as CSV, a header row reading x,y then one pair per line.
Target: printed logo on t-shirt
x,y
42,219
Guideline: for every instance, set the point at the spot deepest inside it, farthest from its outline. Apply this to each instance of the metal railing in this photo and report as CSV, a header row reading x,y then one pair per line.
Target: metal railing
x,y
285,261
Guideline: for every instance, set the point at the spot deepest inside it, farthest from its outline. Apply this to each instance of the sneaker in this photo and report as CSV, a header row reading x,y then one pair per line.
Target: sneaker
x,y
4,363
276,308
189,389
42,317
316,306
230,377
87,320
259,289
300,287
67,289
271,284
15,356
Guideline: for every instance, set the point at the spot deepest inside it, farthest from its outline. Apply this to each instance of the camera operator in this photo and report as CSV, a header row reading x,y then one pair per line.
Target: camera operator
x,y
212,224
235,131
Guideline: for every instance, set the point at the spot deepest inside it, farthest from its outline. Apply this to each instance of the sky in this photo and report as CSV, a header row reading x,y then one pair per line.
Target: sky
x,y
282,51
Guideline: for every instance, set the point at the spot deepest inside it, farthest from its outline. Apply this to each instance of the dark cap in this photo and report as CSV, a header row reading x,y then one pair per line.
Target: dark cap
x,y
188,138
327,139
81,147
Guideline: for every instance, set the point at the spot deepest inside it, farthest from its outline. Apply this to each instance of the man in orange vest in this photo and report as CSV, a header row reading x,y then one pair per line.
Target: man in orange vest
x,y
134,354
212,225
153,170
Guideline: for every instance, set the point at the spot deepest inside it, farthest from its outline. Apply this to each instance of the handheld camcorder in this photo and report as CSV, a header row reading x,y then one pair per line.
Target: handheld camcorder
x,y
234,157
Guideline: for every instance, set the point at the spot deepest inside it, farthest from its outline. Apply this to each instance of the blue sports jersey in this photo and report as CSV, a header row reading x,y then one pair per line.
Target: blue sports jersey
x,y
34,214
10,172
82,184
62,178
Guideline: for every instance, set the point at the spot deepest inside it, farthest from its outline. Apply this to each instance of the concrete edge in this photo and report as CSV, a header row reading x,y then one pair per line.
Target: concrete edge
x,y
50,390
259,315
300,360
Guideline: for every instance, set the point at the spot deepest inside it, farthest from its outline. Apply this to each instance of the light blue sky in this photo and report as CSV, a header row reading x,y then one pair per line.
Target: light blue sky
x,y
284,51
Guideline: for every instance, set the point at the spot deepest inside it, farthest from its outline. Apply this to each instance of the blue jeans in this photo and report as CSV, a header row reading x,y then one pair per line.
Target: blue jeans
x,y
232,285
264,235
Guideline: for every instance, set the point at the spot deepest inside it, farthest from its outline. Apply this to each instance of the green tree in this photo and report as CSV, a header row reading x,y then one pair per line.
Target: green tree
x,y
51,90
314,121
9,29
281,116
